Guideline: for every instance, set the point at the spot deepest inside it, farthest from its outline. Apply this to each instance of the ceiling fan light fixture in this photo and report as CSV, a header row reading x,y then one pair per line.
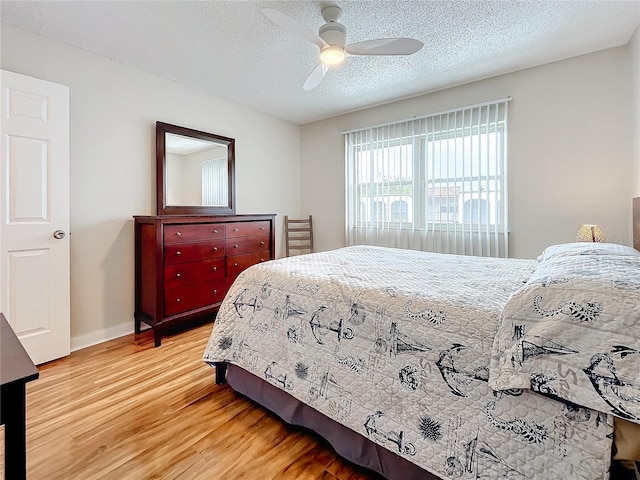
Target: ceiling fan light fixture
x,y
332,55
332,41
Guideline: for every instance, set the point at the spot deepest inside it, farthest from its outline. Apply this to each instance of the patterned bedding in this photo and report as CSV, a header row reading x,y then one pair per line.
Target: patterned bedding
x,y
396,345
573,331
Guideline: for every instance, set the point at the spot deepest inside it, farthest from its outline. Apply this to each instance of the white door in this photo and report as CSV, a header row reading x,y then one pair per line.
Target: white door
x,y
34,217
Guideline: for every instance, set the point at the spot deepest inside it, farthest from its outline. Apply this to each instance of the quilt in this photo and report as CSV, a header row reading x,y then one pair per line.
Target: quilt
x,y
573,330
396,345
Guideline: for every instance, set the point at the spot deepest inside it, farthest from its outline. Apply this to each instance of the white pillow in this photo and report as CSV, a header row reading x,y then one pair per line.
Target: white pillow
x,y
586,248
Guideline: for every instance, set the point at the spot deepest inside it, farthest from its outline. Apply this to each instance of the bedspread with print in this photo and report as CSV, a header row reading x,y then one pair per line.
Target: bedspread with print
x,y
396,344
573,331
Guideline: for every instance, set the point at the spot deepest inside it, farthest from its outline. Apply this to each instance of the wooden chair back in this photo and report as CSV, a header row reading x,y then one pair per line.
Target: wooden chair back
x,y
298,235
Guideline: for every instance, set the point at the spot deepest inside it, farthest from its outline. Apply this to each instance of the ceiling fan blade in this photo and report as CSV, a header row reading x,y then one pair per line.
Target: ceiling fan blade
x,y
316,76
385,46
293,26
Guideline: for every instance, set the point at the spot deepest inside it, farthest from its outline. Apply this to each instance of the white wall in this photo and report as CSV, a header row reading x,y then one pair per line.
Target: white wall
x,y
634,52
113,110
570,150
174,173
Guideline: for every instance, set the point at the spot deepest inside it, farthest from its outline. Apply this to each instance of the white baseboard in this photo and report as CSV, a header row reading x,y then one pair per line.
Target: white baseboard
x,y
90,339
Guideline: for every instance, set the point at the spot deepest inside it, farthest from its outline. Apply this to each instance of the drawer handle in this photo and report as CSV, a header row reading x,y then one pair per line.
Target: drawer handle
x,y
178,234
261,243
262,259
178,300
178,252
235,264
215,249
215,231
215,269
235,246
235,229
261,228
215,291
178,275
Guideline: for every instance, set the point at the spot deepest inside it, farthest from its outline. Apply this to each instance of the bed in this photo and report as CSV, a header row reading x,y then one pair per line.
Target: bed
x,y
422,365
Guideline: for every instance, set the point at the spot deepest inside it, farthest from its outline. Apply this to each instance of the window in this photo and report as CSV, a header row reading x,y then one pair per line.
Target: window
x,y
399,211
379,211
214,182
435,183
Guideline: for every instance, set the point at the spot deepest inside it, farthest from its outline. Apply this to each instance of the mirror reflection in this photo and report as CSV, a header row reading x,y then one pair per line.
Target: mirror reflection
x,y
196,172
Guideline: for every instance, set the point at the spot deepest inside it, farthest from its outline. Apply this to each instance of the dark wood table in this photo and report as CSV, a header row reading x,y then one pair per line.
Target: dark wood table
x,y
16,369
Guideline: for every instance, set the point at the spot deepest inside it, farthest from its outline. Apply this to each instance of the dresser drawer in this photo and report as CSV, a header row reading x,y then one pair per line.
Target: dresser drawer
x,y
182,274
182,299
238,263
191,252
239,245
193,232
245,229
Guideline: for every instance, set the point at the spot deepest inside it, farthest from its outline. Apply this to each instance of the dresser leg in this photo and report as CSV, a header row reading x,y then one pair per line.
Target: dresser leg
x,y
157,337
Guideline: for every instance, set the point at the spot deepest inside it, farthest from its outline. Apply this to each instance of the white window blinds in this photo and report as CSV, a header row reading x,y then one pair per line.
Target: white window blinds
x,y
215,191
436,183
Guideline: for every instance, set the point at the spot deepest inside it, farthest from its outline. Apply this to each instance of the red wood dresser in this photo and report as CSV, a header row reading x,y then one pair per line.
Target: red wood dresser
x,y
184,265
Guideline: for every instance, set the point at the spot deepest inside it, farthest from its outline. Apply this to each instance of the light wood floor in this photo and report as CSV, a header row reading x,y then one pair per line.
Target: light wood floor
x,y
126,410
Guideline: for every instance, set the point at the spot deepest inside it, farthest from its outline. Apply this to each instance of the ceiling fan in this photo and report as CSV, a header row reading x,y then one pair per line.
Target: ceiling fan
x,y
331,39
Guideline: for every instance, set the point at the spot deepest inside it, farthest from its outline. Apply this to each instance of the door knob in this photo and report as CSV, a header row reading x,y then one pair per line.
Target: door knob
x,y
59,234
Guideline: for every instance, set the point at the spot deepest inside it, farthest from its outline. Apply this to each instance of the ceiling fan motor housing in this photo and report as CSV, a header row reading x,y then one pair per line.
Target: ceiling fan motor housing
x,y
333,33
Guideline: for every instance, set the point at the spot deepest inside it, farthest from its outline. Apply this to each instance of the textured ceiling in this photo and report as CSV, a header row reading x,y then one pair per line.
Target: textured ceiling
x,y
231,50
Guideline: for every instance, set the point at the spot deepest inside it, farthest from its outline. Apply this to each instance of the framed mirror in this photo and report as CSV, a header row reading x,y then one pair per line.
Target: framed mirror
x,y
195,172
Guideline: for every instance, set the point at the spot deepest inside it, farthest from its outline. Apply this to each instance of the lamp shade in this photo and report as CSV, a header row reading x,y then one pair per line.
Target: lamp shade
x,y
589,233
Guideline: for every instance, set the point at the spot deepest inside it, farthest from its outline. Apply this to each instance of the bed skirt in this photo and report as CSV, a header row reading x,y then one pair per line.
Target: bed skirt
x,y
347,443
